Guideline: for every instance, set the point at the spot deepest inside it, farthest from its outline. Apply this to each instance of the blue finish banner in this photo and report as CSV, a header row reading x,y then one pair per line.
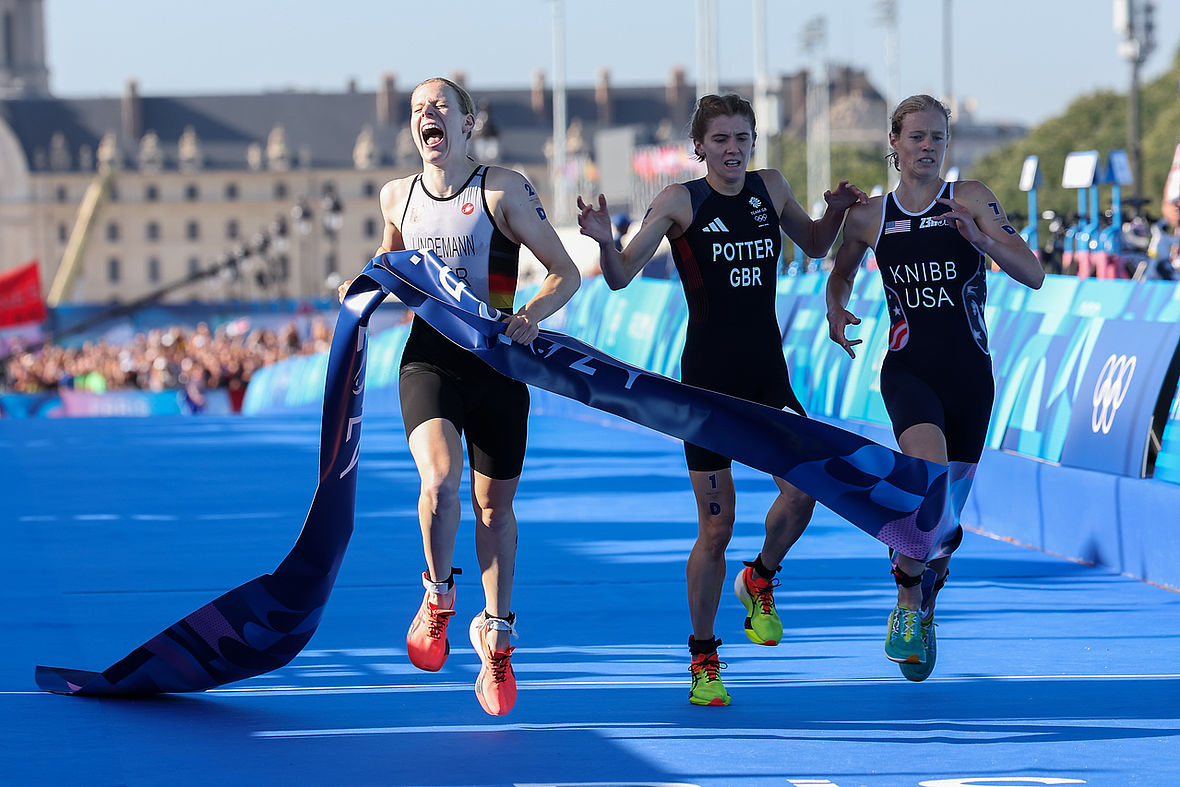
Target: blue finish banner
x,y
263,624
900,500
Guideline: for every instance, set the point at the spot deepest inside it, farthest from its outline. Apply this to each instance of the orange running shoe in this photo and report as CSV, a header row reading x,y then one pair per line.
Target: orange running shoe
x,y
495,686
426,641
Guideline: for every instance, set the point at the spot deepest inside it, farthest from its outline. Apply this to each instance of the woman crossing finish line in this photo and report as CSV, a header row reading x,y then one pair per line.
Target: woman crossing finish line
x,y
475,217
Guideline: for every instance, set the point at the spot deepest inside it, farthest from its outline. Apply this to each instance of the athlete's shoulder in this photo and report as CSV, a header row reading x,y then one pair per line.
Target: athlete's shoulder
x,y
774,181
972,189
862,217
672,198
500,178
771,177
395,192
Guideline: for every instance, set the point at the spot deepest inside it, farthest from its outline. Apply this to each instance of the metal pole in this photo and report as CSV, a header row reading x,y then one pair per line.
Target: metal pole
x,y
1134,149
819,158
559,208
888,18
947,58
761,102
707,80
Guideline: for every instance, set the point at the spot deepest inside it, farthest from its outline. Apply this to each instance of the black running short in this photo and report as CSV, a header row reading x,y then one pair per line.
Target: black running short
x,y
772,389
958,402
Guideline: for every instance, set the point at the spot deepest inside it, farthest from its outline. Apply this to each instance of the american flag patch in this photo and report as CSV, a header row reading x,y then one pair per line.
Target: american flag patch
x,y
901,225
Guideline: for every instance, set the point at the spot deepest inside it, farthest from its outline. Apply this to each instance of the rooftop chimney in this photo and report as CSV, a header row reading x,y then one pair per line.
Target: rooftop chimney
x,y
132,112
676,94
602,98
387,114
538,92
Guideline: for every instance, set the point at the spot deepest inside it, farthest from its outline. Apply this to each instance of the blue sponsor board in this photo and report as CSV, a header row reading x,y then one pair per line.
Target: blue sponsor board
x,y
1126,369
111,404
1167,464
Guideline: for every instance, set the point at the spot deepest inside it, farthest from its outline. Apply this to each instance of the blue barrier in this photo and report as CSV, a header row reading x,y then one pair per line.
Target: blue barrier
x,y
1050,478
67,404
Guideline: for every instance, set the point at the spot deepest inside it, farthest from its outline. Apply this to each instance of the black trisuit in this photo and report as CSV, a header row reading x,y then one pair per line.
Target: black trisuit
x,y
439,379
727,260
937,369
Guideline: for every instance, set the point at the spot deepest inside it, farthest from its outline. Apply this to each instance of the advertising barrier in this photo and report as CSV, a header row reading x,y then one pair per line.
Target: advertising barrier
x,y
72,404
1084,440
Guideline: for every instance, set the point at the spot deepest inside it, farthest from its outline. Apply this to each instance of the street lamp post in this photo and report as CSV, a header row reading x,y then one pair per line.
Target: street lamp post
x,y
333,221
1133,19
819,158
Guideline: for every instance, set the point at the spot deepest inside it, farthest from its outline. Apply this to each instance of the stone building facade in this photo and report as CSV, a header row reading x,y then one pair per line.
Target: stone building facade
x,y
125,196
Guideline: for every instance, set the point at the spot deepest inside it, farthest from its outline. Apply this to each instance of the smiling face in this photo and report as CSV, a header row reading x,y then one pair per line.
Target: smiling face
x,y
440,122
921,144
725,147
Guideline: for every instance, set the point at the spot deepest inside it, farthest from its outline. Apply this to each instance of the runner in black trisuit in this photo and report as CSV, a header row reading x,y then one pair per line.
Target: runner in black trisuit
x,y
726,230
930,239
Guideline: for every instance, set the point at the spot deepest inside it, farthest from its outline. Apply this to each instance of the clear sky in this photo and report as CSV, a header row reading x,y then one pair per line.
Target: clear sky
x,y
1022,60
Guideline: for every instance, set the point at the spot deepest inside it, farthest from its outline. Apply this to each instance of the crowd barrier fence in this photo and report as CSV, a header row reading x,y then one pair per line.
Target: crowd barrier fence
x,y
1083,448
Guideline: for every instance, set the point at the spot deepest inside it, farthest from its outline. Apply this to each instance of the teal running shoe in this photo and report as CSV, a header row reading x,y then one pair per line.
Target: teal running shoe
x,y
903,642
920,672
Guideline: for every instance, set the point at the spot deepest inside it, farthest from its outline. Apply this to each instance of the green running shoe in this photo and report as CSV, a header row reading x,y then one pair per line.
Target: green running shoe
x,y
920,672
903,643
763,626
707,688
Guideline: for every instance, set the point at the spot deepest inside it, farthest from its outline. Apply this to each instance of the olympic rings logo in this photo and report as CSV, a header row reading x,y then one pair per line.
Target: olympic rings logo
x,y
1111,389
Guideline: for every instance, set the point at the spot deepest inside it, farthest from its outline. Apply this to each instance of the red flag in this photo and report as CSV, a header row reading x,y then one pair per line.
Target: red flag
x,y
20,296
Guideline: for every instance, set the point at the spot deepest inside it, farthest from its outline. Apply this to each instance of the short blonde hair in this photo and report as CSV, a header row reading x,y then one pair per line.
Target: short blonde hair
x,y
908,106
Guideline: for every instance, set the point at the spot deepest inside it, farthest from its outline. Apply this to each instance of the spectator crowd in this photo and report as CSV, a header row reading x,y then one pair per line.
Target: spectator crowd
x,y
195,359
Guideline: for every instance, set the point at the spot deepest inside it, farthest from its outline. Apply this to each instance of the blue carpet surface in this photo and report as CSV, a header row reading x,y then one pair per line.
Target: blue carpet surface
x,y
1049,672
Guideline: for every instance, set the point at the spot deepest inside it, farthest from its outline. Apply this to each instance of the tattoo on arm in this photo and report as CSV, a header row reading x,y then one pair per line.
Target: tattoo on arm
x,y
1008,228
995,206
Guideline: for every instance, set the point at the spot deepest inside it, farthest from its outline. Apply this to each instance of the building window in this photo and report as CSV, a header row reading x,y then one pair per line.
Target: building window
x,y
152,230
191,192
194,267
113,270
231,229
283,265
280,190
62,194
151,192
231,191
370,228
63,233
112,231
153,270
369,189
113,194
192,230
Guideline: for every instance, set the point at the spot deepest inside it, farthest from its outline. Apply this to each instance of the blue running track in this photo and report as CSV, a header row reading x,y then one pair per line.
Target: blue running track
x,y
1049,672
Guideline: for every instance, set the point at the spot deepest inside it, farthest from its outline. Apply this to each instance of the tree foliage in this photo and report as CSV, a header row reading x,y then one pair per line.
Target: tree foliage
x,y
1095,121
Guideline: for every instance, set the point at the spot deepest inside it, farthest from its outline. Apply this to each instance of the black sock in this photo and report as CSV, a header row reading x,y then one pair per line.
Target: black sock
x,y
700,647
762,570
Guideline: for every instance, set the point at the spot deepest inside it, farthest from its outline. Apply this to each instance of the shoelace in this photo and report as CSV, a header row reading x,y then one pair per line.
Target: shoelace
x,y
500,664
763,591
711,665
903,623
436,621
